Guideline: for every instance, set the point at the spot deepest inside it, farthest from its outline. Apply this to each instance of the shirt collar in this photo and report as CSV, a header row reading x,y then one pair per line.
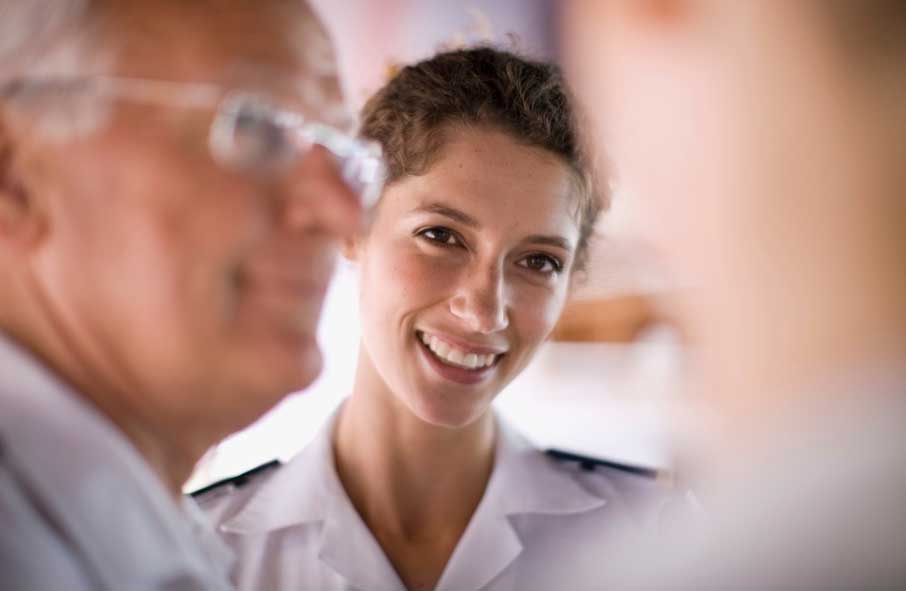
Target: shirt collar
x,y
527,481
523,481
300,492
308,490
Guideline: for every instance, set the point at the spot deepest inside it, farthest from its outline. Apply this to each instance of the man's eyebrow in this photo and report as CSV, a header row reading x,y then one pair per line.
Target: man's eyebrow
x,y
447,211
555,241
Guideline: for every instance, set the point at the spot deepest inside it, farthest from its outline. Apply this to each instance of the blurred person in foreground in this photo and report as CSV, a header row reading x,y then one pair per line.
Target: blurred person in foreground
x,y
168,220
766,144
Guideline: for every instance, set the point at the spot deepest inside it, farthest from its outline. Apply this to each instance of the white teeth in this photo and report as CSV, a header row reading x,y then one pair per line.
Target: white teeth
x,y
456,356
453,356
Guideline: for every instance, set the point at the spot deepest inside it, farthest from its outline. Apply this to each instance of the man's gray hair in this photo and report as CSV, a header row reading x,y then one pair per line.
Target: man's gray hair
x,y
48,40
48,37
42,39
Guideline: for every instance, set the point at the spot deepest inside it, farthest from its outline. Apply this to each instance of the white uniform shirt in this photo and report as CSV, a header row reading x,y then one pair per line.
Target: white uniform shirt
x,y
79,507
293,527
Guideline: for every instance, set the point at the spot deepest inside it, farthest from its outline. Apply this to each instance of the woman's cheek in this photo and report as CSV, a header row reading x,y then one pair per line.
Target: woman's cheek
x,y
535,312
414,277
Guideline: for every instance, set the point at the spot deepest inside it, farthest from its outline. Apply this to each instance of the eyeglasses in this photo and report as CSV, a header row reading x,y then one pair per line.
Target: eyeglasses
x,y
250,132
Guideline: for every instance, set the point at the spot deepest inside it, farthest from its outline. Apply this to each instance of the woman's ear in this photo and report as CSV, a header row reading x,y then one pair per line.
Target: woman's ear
x,y
351,247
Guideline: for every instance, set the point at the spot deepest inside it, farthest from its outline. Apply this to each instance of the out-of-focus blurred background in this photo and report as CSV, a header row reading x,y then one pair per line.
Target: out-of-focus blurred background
x,y
602,385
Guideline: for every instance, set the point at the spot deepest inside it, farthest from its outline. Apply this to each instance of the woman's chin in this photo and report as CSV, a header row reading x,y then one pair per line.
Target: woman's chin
x,y
447,414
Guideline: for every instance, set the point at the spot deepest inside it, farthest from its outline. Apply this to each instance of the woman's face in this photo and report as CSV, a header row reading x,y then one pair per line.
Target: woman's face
x,y
464,272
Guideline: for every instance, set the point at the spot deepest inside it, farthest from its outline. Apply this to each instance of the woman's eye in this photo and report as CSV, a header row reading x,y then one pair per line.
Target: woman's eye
x,y
440,235
541,263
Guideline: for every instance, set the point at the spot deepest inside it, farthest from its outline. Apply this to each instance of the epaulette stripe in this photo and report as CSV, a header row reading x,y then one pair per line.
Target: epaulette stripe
x,y
237,480
589,464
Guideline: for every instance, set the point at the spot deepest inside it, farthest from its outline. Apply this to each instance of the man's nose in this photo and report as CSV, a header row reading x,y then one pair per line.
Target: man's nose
x,y
318,199
481,302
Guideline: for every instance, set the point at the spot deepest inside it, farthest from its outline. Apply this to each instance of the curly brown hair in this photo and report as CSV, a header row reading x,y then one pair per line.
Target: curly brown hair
x,y
480,86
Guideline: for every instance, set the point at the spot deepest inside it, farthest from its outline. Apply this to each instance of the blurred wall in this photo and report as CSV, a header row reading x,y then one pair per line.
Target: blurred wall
x,y
371,36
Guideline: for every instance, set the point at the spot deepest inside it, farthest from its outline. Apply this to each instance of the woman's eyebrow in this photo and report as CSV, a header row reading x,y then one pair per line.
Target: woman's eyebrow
x,y
555,241
450,212
467,220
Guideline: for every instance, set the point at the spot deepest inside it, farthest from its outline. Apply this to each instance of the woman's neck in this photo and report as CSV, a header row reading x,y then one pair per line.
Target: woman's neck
x,y
415,485
404,475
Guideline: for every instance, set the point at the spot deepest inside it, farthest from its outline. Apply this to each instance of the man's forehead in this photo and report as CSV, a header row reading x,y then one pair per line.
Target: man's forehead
x,y
316,96
275,46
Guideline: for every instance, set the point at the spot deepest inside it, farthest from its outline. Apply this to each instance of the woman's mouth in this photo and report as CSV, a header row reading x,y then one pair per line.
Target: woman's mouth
x,y
456,363
454,356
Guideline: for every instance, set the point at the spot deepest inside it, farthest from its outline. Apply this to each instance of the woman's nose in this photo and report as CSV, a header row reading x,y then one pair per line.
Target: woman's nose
x,y
481,302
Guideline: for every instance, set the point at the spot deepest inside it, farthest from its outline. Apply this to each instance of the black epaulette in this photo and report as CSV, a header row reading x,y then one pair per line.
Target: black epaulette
x,y
589,464
237,481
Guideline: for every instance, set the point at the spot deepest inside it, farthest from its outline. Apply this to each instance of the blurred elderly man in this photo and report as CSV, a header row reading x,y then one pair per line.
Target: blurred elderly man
x,y
172,186
766,145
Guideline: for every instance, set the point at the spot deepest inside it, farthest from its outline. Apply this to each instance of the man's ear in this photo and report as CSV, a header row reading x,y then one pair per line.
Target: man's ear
x,y
21,224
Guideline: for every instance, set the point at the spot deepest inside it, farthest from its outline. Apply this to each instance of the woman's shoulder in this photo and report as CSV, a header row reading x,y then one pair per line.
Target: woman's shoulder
x,y
605,475
597,474
222,499
566,483
602,466
642,490
274,494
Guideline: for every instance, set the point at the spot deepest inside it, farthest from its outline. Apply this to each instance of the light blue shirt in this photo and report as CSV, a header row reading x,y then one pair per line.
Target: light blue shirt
x,y
79,507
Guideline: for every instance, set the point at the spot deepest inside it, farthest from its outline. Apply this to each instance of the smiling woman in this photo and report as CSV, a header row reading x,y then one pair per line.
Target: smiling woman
x,y
465,269
473,279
